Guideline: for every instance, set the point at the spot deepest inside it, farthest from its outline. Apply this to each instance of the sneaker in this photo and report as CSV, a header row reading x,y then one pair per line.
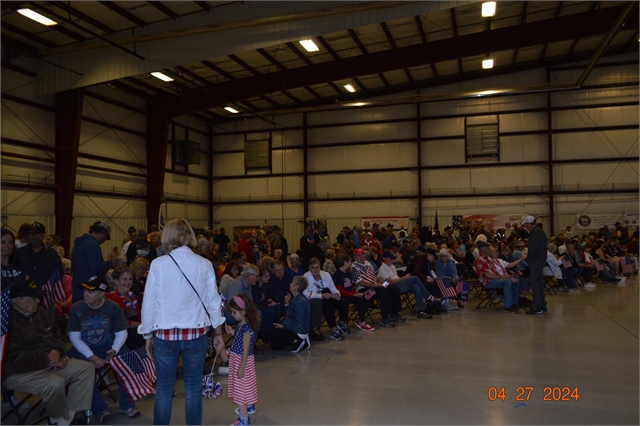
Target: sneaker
x,y
251,410
336,335
535,311
511,310
223,369
242,421
105,416
450,306
589,285
16,401
298,346
344,329
424,315
396,318
131,412
364,326
386,322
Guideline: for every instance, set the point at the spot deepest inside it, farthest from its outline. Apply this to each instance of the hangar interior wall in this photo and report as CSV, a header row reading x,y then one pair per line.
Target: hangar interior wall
x,y
347,154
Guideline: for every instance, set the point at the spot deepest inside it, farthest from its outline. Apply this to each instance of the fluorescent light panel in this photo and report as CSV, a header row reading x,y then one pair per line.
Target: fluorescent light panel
x,y
161,76
487,64
488,9
350,88
231,110
309,45
37,17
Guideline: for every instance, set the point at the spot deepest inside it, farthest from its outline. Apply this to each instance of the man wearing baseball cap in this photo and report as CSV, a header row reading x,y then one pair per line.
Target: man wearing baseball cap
x,y
536,259
40,261
87,256
98,330
36,345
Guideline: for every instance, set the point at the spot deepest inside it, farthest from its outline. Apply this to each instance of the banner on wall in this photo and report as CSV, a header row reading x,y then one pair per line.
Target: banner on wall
x,y
495,222
630,219
398,222
597,220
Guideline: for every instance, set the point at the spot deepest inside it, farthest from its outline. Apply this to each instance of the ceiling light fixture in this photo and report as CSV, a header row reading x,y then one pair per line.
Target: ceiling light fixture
x,y
37,17
231,110
487,64
161,76
309,45
488,9
350,88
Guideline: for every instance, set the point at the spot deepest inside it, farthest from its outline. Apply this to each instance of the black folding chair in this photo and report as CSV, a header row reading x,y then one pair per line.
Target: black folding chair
x,y
408,301
15,409
490,297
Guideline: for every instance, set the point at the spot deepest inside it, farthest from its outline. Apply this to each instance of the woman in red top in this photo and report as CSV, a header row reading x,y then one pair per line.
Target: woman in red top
x,y
245,247
125,298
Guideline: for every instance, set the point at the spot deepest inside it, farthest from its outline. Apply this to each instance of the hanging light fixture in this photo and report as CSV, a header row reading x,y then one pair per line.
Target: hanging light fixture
x,y
161,76
309,45
487,64
35,16
231,110
488,9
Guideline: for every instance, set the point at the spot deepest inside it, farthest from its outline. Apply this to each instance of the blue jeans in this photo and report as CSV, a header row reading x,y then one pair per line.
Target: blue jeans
x,y
414,285
166,354
510,290
570,275
98,405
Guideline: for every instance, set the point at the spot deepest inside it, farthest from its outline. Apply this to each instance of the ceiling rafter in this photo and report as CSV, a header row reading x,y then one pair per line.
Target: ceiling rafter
x,y
290,96
423,37
328,48
164,9
203,5
356,39
19,46
271,59
126,88
523,20
26,34
89,20
394,46
219,70
454,24
556,14
297,51
145,85
122,12
335,87
384,80
359,83
243,64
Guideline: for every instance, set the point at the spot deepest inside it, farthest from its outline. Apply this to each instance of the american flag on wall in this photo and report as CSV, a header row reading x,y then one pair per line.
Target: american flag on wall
x,y
53,289
136,373
457,221
446,288
627,265
6,295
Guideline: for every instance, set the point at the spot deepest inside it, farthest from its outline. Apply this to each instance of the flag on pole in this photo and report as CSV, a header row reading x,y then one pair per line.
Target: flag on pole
x,y
457,221
53,289
446,288
627,265
436,225
6,295
160,219
136,373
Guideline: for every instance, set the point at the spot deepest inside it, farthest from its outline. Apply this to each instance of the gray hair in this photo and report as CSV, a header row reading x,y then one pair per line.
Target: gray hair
x,y
551,247
250,270
300,282
324,243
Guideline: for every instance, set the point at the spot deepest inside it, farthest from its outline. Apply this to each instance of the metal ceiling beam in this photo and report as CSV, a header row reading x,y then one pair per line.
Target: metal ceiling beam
x,y
19,46
26,34
21,70
384,80
164,9
271,59
145,85
88,19
523,20
122,12
244,65
356,39
328,48
423,36
219,70
313,92
359,83
128,89
531,34
299,53
408,74
335,87
556,14
290,96
455,36
393,44
203,5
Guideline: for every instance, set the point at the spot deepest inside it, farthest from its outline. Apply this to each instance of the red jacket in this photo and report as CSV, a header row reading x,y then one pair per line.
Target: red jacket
x,y
245,247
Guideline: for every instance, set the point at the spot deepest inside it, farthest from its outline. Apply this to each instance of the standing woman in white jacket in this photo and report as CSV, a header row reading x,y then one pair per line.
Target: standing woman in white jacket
x,y
181,304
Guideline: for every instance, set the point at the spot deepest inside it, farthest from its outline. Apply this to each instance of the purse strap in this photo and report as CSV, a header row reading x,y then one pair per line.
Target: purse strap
x,y
194,289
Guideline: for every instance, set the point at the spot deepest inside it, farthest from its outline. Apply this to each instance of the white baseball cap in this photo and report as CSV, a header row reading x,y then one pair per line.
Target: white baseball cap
x,y
528,219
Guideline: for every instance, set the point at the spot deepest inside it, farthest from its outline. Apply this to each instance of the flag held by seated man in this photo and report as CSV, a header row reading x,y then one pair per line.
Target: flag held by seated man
x,y
136,373
627,265
446,288
53,289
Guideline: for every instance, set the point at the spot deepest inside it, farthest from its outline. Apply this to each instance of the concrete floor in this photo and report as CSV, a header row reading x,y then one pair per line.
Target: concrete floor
x,y
439,371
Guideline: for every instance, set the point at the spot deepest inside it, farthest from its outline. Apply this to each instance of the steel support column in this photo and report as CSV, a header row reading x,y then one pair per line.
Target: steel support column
x,y
550,157
419,153
68,120
157,135
305,175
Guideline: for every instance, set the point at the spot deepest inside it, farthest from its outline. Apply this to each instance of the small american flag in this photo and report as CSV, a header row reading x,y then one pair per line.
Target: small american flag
x,y
627,265
136,373
53,289
599,265
446,288
566,262
457,221
369,293
6,295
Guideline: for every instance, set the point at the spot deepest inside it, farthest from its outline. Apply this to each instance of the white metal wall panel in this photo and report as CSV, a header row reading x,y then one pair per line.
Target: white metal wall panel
x,y
499,179
361,114
363,157
293,138
228,164
593,117
189,211
523,148
363,184
596,176
365,132
443,152
607,144
523,122
287,161
26,123
595,96
257,213
258,189
228,142
362,208
600,203
442,127
13,222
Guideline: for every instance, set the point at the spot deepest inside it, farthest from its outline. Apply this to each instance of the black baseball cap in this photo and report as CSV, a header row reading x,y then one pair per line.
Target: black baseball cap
x,y
95,283
26,288
38,227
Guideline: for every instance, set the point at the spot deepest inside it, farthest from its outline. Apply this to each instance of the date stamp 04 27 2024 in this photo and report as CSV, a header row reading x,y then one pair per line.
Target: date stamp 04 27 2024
x,y
526,393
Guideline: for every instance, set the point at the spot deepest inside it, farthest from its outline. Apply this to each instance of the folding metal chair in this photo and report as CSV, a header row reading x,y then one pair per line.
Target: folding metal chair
x,y
490,297
408,301
103,381
15,408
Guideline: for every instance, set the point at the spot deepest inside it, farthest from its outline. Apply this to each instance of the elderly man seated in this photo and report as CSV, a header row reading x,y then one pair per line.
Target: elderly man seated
x,y
36,359
490,278
406,284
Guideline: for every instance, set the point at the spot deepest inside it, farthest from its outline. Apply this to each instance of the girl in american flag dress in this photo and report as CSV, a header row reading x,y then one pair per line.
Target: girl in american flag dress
x,y
242,385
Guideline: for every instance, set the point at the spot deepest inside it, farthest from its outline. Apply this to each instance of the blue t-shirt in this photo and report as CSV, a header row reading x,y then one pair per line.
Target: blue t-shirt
x,y
97,326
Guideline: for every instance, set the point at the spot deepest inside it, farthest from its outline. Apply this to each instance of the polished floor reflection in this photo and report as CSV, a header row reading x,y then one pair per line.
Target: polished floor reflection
x,y
440,371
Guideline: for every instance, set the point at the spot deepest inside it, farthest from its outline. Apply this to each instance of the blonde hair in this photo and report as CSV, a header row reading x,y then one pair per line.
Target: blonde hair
x,y
178,233
138,262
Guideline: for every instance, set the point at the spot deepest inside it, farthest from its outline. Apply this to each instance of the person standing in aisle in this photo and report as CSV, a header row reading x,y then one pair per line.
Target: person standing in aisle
x,y
537,259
